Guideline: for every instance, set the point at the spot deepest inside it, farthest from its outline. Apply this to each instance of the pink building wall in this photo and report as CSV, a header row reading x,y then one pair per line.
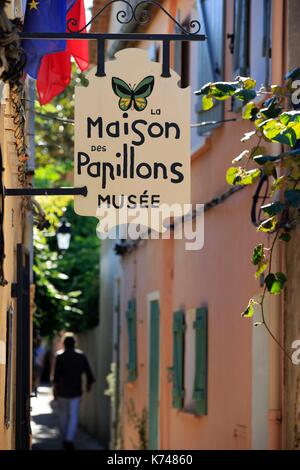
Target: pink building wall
x,y
220,276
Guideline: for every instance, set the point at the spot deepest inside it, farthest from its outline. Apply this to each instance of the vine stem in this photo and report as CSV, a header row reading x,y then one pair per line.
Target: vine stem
x,y
264,322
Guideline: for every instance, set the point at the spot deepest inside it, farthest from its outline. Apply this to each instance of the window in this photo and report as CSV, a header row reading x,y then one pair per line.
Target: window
x,y
132,341
251,39
241,38
154,52
210,57
260,41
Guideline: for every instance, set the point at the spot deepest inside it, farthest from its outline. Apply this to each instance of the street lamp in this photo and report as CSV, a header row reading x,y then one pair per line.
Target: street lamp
x,y
63,234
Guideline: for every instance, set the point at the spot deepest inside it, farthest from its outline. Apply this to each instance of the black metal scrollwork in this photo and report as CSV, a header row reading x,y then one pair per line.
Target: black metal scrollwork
x,y
138,13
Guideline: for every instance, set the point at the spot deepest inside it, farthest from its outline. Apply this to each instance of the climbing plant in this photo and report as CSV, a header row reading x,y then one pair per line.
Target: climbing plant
x,y
139,423
275,115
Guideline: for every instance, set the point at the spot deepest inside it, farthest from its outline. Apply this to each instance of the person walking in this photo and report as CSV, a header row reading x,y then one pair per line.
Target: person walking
x,y
70,365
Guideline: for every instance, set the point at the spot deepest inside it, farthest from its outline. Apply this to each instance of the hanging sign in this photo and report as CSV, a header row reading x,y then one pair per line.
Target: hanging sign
x,y
132,138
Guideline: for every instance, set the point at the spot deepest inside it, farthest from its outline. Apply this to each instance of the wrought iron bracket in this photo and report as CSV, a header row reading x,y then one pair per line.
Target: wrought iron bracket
x,y
140,15
45,191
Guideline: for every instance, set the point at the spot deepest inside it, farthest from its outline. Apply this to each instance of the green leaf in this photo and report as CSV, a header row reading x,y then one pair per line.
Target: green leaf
x,y
278,183
258,254
47,108
275,282
289,116
261,269
268,226
262,159
285,237
247,82
249,311
257,150
250,111
273,208
207,102
287,137
272,112
292,196
293,152
293,74
245,95
277,132
250,176
259,260
272,108
223,90
232,174
242,177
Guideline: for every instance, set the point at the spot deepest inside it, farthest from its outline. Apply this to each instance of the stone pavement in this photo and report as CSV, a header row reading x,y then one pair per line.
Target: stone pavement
x,y
44,425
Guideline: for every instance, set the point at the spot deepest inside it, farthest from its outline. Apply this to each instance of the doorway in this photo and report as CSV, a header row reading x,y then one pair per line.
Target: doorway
x,y
23,391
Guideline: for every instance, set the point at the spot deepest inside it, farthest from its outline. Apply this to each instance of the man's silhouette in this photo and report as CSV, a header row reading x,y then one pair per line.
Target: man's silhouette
x,y
70,365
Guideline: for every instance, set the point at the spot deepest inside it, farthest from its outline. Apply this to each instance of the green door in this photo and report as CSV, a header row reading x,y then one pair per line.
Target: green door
x,y
153,375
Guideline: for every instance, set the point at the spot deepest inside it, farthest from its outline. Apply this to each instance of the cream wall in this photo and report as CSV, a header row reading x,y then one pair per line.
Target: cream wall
x,y
15,231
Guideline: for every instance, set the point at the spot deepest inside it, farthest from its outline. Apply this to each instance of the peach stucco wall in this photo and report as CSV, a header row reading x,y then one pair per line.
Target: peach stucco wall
x,y
220,276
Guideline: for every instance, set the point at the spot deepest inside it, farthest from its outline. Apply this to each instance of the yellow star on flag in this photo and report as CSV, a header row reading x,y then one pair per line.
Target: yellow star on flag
x,y
33,5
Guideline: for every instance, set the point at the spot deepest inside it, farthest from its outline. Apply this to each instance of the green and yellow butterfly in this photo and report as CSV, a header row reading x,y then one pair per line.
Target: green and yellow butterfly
x,y
135,96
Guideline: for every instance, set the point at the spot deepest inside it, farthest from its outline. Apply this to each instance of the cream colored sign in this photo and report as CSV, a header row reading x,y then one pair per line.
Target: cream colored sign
x,y
132,137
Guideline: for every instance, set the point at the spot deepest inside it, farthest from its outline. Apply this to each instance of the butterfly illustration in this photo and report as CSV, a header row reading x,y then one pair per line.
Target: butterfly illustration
x,y
133,96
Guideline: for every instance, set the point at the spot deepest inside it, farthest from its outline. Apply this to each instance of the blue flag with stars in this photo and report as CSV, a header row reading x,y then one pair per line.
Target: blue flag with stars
x,y
43,16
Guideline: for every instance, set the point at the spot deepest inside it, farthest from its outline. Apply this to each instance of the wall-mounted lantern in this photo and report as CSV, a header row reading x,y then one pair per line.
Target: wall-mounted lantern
x,y
63,234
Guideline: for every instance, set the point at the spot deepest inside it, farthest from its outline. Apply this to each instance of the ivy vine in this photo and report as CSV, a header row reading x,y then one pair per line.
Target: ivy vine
x,y
275,114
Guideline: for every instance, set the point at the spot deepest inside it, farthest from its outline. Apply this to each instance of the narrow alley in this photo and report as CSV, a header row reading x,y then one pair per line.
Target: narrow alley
x,y
44,425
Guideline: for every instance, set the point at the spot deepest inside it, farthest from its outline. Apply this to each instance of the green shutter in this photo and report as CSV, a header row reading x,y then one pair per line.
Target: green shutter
x,y
132,343
178,358
200,382
211,57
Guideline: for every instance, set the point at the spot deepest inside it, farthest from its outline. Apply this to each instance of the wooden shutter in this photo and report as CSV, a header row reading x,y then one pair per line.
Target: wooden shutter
x,y
241,38
211,57
267,45
178,359
200,382
132,342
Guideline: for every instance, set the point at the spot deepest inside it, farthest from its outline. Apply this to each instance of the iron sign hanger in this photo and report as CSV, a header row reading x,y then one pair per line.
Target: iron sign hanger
x,y
138,14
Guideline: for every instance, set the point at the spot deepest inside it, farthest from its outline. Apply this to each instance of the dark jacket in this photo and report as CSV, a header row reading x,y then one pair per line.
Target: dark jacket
x,y
69,367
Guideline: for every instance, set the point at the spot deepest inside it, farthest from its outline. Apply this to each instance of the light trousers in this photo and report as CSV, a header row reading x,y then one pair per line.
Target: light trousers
x,y
68,409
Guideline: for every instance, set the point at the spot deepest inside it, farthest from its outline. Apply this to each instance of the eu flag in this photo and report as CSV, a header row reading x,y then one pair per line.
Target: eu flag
x,y
43,16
